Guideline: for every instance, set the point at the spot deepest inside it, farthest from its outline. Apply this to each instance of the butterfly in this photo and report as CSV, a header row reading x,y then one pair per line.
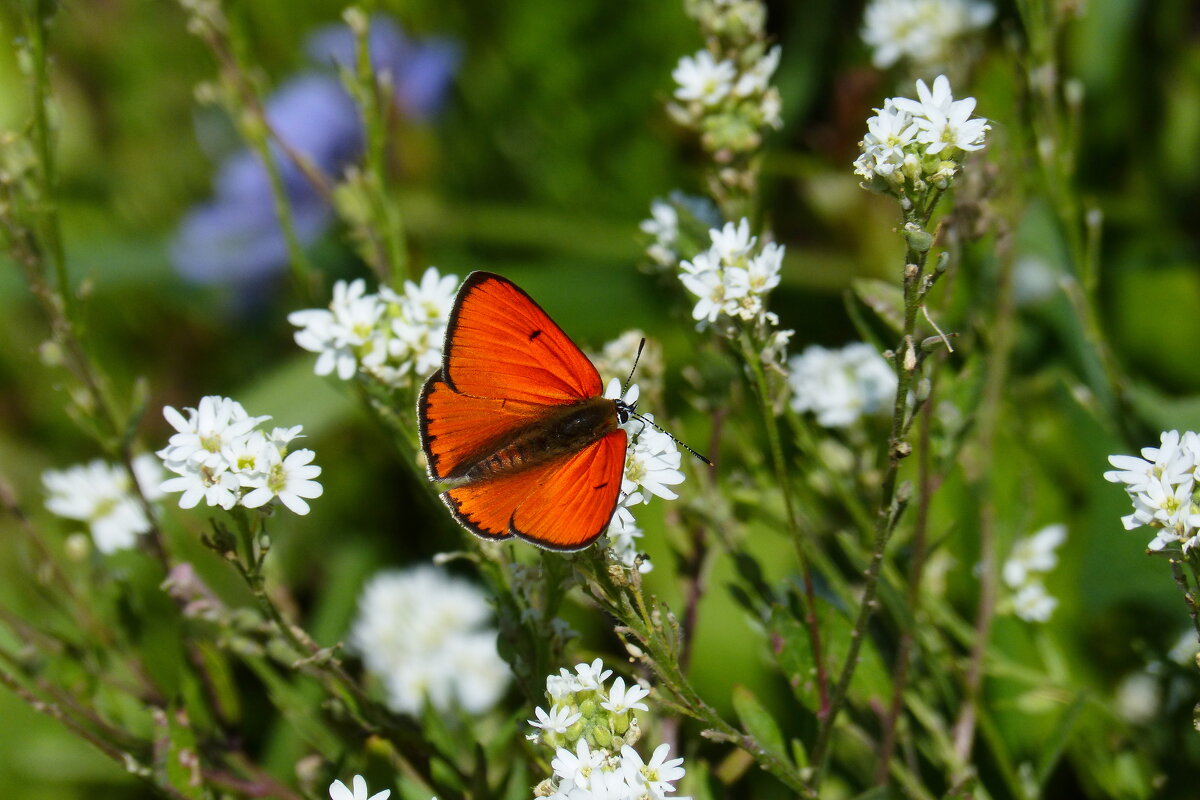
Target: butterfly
x,y
514,426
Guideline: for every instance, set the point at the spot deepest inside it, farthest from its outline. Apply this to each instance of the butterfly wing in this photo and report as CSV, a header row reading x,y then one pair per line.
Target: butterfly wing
x,y
457,430
501,344
575,503
562,505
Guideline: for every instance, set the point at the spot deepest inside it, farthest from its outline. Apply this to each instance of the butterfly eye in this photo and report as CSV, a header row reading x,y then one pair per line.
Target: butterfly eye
x,y
624,410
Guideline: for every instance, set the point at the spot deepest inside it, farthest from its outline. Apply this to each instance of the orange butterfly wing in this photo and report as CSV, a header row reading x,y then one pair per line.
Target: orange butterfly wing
x,y
563,505
504,362
575,503
501,344
457,430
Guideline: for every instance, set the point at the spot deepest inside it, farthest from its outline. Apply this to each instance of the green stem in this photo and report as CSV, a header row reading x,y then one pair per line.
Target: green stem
x,y
811,623
36,19
906,362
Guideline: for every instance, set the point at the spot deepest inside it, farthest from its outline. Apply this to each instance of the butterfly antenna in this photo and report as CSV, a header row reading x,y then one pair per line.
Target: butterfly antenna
x,y
633,369
654,424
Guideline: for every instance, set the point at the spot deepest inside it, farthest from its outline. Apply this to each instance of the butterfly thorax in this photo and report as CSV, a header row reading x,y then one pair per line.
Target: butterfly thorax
x,y
564,430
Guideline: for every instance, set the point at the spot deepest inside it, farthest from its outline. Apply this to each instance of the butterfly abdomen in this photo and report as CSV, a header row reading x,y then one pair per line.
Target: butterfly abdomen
x,y
562,432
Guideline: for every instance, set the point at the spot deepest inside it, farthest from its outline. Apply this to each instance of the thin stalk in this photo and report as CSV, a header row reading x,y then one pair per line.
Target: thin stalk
x,y
906,363
925,489
811,623
988,420
43,139
1189,597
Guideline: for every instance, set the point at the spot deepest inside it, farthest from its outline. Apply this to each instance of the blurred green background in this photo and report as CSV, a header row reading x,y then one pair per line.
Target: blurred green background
x,y
551,146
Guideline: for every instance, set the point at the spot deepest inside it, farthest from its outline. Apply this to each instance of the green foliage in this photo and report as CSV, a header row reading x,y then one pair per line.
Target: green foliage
x,y
815,617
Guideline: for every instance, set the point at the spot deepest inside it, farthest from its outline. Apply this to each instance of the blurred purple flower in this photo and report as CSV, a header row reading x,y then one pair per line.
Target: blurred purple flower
x,y
420,70
236,237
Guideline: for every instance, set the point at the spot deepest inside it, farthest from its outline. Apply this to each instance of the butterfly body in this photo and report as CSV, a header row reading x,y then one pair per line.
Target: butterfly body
x,y
515,430
558,432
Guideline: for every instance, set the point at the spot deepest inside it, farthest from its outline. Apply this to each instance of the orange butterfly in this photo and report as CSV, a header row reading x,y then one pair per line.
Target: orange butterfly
x,y
514,424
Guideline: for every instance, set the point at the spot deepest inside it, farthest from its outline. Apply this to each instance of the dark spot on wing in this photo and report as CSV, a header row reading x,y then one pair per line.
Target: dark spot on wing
x,y
601,486
535,334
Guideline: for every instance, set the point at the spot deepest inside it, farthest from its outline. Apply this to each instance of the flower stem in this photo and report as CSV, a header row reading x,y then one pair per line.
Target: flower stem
x,y
906,362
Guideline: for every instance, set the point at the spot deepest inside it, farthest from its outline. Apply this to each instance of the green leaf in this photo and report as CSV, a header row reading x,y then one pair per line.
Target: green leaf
x,y
758,722
789,643
885,299
177,763
1052,749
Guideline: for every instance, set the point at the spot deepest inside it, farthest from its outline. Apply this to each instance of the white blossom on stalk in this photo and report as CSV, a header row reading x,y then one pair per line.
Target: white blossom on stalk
x,y
339,791
101,495
702,78
1162,487
732,279
1032,603
291,480
920,30
396,337
911,144
219,455
839,386
424,635
593,757
664,224
343,334
1034,553
652,463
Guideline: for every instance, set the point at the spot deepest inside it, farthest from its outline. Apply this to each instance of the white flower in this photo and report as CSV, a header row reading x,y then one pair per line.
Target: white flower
x,y
733,243
921,30
944,121
704,79
623,533
218,453
922,140
557,720
340,333
621,700
216,485
1173,461
592,676
576,767
101,495
652,463
841,385
291,480
423,634
1139,698
339,791
757,78
711,291
1032,603
206,430
658,775
1034,553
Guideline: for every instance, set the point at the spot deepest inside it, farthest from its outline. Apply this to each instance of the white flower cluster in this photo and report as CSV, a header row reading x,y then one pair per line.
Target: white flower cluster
x,y
424,634
733,277
651,468
1161,485
101,495
394,337
911,144
839,386
1032,555
591,729
730,102
921,30
218,454
671,239
340,791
